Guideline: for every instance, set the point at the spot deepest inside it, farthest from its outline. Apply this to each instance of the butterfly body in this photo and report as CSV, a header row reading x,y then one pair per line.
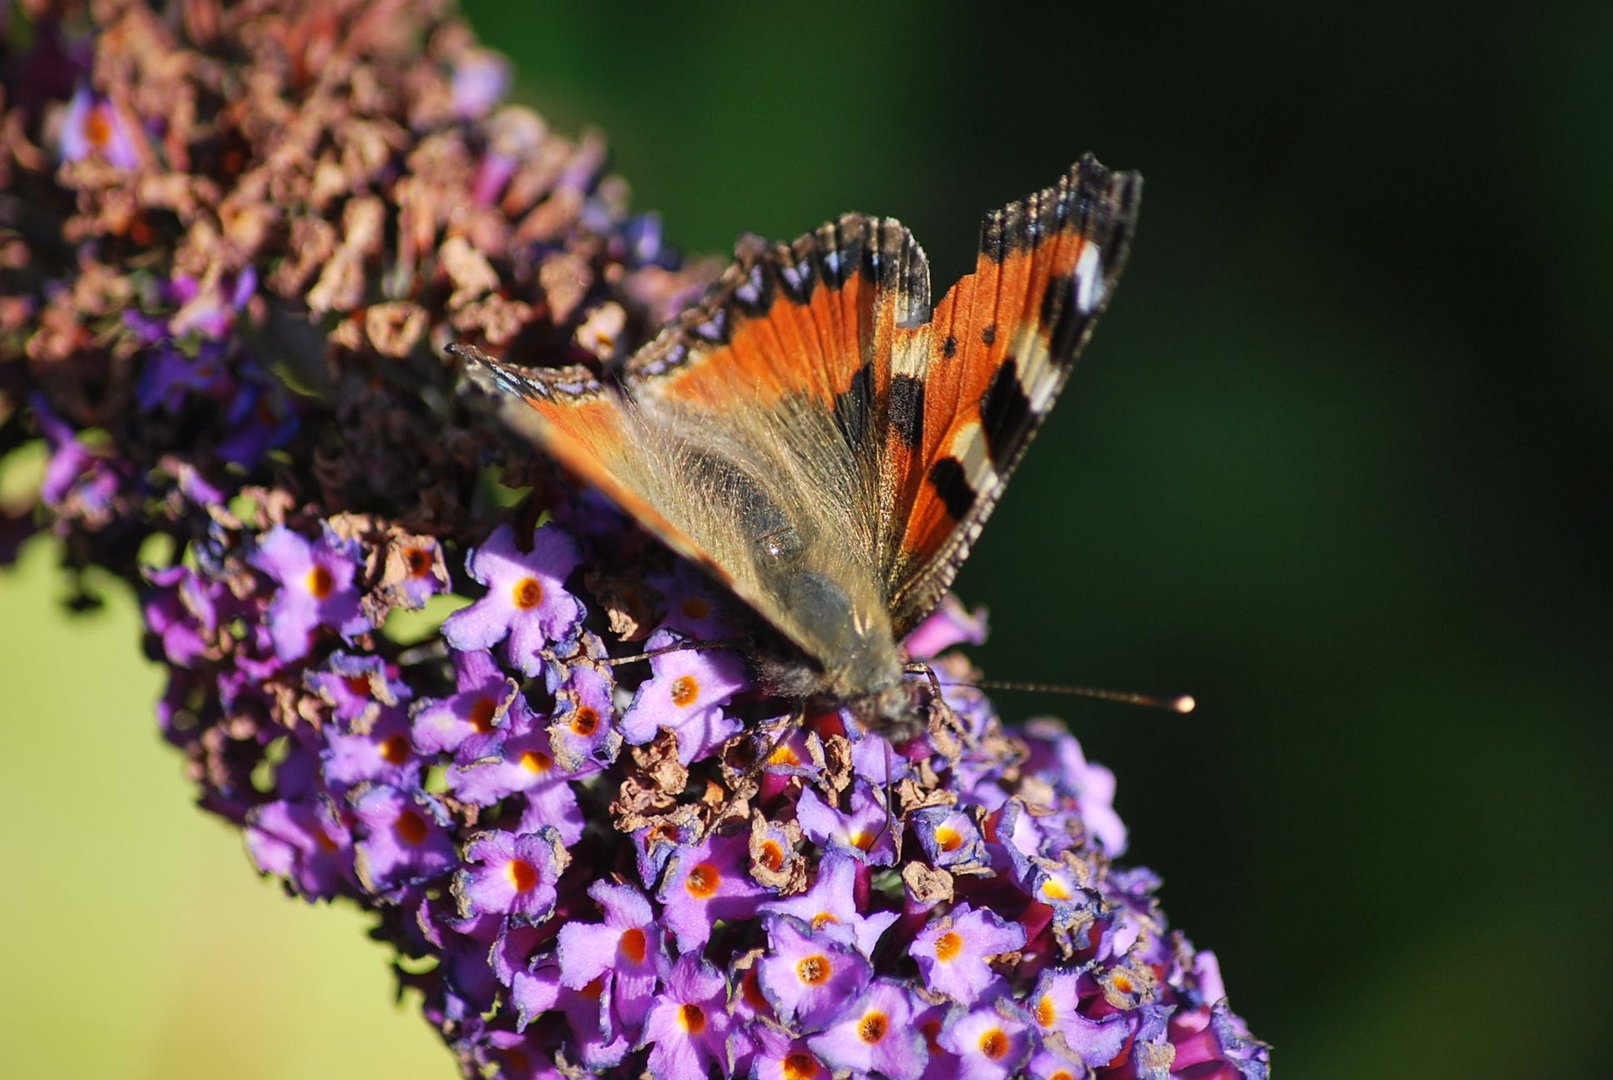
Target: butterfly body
x,y
827,443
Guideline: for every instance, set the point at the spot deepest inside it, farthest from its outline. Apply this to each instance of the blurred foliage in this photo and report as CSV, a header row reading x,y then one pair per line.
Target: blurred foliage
x,y
1335,463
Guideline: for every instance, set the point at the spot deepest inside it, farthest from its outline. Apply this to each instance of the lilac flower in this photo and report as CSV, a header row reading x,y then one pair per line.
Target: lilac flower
x,y
953,951
864,831
374,748
832,901
703,884
687,1028
875,1034
511,875
948,625
485,695
526,599
949,837
523,763
685,695
304,842
94,126
402,838
808,974
357,687
991,1040
316,588
1055,1007
628,944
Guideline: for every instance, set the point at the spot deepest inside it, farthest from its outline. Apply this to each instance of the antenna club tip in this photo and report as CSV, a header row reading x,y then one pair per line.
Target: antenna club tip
x,y
1185,704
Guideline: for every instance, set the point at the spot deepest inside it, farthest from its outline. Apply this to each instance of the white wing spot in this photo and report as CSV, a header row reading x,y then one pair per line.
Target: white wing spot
x,y
1088,279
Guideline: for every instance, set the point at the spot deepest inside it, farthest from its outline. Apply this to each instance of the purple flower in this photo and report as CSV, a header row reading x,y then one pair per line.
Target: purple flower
x,y
316,588
685,695
522,762
687,1029
402,838
375,747
93,125
953,951
864,832
526,598
705,883
511,875
949,837
832,901
304,842
1055,1007
948,625
479,708
875,1034
627,944
809,975
991,1041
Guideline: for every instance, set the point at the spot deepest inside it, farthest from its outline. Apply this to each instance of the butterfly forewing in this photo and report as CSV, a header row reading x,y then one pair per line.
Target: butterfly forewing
x,y
989,364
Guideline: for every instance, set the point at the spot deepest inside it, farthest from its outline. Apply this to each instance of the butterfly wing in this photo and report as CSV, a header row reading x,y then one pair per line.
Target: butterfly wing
x,y
972,385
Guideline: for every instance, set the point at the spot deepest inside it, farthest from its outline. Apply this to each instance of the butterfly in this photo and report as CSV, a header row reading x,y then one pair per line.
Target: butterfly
x,y
826,442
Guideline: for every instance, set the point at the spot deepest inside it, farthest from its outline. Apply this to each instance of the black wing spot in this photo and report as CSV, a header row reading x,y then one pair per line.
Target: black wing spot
x,y
988,334
952,487
1005,413
854,410
907,409
949,347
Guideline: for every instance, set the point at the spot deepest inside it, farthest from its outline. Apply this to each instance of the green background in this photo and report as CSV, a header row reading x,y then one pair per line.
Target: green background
x,y
1335,463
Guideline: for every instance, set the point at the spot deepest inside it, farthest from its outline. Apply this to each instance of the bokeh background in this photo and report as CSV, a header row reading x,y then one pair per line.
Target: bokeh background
x,y
1336,463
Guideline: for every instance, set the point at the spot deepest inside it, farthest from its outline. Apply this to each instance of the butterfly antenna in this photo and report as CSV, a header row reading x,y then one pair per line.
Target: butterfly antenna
x,y
1182,703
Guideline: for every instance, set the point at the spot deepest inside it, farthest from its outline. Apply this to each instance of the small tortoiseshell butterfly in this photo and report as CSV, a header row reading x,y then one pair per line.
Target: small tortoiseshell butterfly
x,y
826,442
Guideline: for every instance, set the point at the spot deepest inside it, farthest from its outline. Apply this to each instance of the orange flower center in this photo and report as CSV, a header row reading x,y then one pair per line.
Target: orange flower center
x,y
633,945
948,838
1054,889
411,827
528,593
873,1027
358,685
863,840
535,761
948,946
522,874
585,721
696,607
750,988
693,1019
822,919
702,881
772,855
814,970
98,126
319,583
994,1043
395,749
482,711
684,691
1046,1013
418,560
931,1030
800,1065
